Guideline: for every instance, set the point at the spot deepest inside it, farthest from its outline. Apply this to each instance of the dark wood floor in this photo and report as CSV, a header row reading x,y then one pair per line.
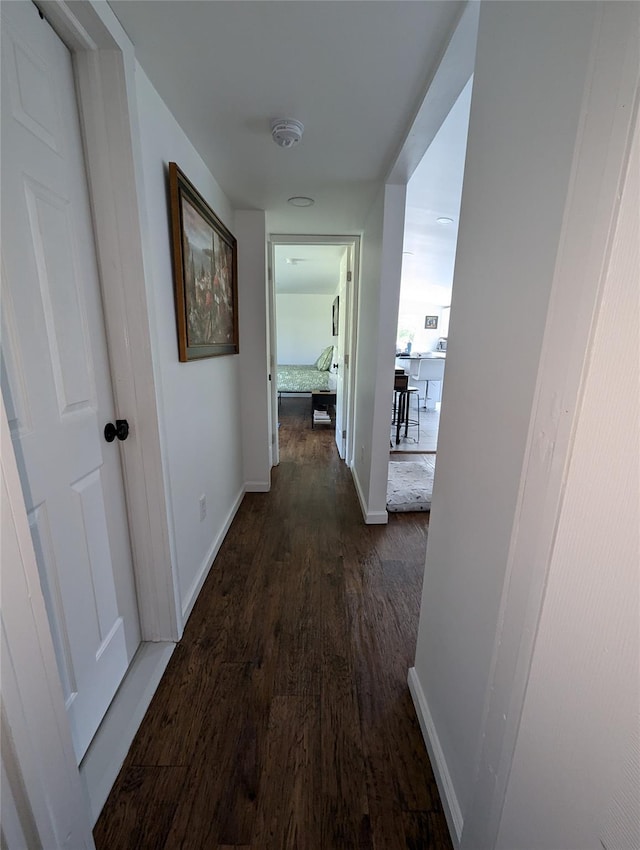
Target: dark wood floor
x,y
284,719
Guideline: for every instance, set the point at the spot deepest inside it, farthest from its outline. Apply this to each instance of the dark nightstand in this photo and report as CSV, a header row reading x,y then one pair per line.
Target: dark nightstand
x,y
321,400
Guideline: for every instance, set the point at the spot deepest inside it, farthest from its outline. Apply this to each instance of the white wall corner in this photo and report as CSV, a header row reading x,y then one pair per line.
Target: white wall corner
x,y
442,90
448,797
370,517
390,275
206,564
376,518
257,486
607,86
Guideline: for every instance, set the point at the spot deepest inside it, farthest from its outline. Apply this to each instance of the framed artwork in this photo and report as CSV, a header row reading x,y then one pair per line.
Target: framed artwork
x,y
336,315
431,322
205,274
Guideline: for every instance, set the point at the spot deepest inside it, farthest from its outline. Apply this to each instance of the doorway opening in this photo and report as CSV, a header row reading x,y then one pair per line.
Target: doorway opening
x,y
312,339
433,202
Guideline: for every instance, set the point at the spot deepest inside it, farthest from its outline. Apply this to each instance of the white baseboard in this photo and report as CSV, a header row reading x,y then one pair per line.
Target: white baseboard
x,y
101,764
450,804
376,518
205,566
257,486
370,517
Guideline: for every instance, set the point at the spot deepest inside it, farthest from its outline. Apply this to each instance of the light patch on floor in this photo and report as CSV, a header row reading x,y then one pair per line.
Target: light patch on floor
x,y
410,484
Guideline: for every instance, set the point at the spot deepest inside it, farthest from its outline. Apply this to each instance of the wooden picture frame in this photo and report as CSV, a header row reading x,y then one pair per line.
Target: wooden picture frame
x,y
205,274
431,323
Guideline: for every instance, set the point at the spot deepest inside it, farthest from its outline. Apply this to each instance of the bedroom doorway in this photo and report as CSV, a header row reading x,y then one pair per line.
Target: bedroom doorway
x,y
313,285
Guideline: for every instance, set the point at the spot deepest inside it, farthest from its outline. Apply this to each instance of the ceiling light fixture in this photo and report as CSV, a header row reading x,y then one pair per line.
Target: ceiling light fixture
x,y
444,219
301,201
286,132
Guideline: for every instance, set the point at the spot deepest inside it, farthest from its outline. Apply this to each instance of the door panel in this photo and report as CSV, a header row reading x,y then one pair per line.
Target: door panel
x,y
55,374
62,304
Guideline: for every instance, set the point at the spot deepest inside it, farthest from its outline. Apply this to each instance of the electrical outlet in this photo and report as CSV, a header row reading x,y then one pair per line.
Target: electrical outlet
x,y
203,507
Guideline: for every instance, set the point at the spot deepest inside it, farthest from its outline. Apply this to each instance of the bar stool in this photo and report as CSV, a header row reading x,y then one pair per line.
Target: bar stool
x,y
402,394
426,370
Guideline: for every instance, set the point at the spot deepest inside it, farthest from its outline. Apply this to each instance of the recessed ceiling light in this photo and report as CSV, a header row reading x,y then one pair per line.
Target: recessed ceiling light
x,y
444,219
293,261
408,253
301,201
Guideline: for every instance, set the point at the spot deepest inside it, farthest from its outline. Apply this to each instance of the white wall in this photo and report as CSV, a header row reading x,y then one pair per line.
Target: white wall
x,y
366,360
581,720
304,324
381,265
412,315
517,190
199,401
254,372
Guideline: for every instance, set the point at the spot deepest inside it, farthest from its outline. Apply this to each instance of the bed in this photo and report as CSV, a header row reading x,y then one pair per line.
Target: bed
x,y
307,379
302,379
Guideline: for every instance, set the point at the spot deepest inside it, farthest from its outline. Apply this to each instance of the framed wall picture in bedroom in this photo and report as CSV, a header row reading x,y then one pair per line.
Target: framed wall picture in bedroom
x,y
336,315
205,274
431,322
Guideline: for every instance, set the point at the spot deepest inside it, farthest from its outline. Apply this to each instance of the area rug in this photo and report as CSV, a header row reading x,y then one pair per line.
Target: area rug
x,y
410,485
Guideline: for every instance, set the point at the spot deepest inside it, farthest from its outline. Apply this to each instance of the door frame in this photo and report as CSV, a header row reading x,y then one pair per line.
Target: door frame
x,y
352,243
104,68
52,799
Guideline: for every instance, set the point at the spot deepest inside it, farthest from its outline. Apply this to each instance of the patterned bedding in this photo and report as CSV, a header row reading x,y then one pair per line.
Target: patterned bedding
x,y
302,379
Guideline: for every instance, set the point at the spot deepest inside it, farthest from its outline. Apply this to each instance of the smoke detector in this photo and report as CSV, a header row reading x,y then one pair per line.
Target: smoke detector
x,y
286,132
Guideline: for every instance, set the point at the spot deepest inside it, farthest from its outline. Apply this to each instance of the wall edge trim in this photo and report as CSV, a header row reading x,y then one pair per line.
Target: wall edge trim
x,y
370,517
450,804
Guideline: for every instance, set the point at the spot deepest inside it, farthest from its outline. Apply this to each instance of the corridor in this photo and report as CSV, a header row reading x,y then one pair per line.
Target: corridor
x,y
284,719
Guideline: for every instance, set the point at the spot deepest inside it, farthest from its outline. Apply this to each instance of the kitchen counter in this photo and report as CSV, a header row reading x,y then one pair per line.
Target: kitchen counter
x,y
430,355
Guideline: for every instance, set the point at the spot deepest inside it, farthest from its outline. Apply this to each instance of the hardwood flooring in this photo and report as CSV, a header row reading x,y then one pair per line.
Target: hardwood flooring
x,y
284,719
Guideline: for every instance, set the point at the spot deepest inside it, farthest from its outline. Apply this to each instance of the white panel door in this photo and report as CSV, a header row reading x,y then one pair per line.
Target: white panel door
x,y
55,374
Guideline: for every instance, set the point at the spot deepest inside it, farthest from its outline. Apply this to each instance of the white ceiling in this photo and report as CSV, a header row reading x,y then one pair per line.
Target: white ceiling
x,y
435,191
354,72
307,269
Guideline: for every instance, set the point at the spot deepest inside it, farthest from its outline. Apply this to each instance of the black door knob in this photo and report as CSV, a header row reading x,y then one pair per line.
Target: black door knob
x,y
119,430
